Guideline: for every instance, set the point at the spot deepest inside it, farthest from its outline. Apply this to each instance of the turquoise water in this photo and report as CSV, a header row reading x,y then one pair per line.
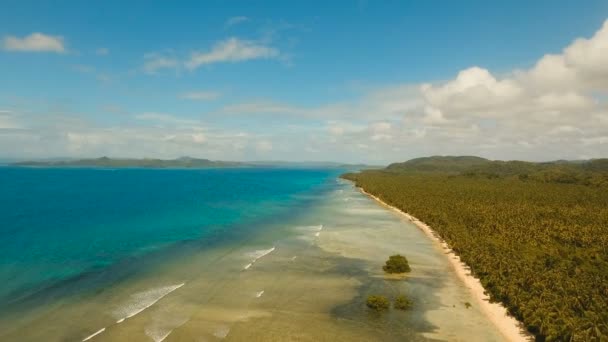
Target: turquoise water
x,y
62,225
215,255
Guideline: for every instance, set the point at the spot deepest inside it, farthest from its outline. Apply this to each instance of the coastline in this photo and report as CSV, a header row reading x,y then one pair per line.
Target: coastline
x,y
508,326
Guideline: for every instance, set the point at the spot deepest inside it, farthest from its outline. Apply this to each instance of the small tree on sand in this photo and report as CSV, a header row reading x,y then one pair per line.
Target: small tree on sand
x,y
402,303
378,303
396,264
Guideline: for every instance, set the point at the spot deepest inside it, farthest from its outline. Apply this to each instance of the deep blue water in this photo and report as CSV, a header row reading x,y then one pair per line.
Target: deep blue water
x,y
58,224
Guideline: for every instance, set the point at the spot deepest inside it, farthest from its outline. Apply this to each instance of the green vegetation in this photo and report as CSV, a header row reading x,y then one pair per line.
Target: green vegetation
x,y
396,264
438,164
587,172
378,303
402,303
537,240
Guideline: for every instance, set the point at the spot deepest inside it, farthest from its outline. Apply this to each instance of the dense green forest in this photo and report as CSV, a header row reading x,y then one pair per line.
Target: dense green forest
x,y
537,240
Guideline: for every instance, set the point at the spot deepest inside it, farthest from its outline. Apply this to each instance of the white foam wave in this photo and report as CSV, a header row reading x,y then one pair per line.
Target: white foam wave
x,y
222,332
257,255
94,334
294,257
163,323
157,336
259,294
317,234
143,300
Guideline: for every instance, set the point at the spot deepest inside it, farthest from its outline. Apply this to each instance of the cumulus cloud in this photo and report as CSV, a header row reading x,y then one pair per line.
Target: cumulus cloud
x,y
556,109
581,65
154,62
200,95
35,42
232,50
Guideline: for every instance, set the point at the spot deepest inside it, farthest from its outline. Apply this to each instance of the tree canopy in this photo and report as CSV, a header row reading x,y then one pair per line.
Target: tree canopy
x,y
539,246
396,264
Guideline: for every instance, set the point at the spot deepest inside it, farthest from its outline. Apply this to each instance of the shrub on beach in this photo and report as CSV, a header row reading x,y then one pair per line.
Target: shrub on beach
x,y
396,264
378,303
402,303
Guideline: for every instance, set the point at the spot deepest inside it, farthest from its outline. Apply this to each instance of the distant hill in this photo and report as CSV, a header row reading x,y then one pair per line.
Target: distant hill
x,y
444,164
184,162
588,172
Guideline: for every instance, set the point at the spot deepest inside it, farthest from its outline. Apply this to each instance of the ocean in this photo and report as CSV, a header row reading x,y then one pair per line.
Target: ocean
x,y
244,254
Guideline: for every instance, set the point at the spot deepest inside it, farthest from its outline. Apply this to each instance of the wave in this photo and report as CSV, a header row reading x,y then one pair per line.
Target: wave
x,y
143,300
163,322
259,294
257,255
157,336
222,332
319,229
94,334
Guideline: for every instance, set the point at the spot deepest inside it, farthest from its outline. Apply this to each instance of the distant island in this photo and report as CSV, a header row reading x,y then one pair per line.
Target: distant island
x,y
183,162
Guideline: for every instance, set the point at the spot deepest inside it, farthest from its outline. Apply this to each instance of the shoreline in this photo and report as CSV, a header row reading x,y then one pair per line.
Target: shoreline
x,y
508,326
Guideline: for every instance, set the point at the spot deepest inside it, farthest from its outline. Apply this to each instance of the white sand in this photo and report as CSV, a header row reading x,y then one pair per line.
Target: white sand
x,y
509,327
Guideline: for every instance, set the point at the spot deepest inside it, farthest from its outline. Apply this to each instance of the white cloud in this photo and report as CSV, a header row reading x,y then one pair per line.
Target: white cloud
x,y
581,65
35,42
200,95
232,50
263,146
153,62
198,138
160,136
236,20
433,116
556,109
167,120
8,120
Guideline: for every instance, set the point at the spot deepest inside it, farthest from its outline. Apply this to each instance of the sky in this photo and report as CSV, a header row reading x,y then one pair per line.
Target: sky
x,y
348,81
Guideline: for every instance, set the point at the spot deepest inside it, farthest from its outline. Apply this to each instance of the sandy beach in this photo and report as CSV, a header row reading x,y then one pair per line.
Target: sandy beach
x,y
508,326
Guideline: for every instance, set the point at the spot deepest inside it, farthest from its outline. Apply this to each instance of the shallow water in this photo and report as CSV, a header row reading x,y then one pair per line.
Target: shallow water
x,y
301,273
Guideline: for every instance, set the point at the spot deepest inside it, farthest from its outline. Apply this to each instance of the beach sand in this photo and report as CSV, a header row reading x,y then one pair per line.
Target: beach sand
x,y
508,326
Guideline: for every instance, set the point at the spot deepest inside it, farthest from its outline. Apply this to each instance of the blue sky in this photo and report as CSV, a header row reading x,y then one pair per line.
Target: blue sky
x,y
357,81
